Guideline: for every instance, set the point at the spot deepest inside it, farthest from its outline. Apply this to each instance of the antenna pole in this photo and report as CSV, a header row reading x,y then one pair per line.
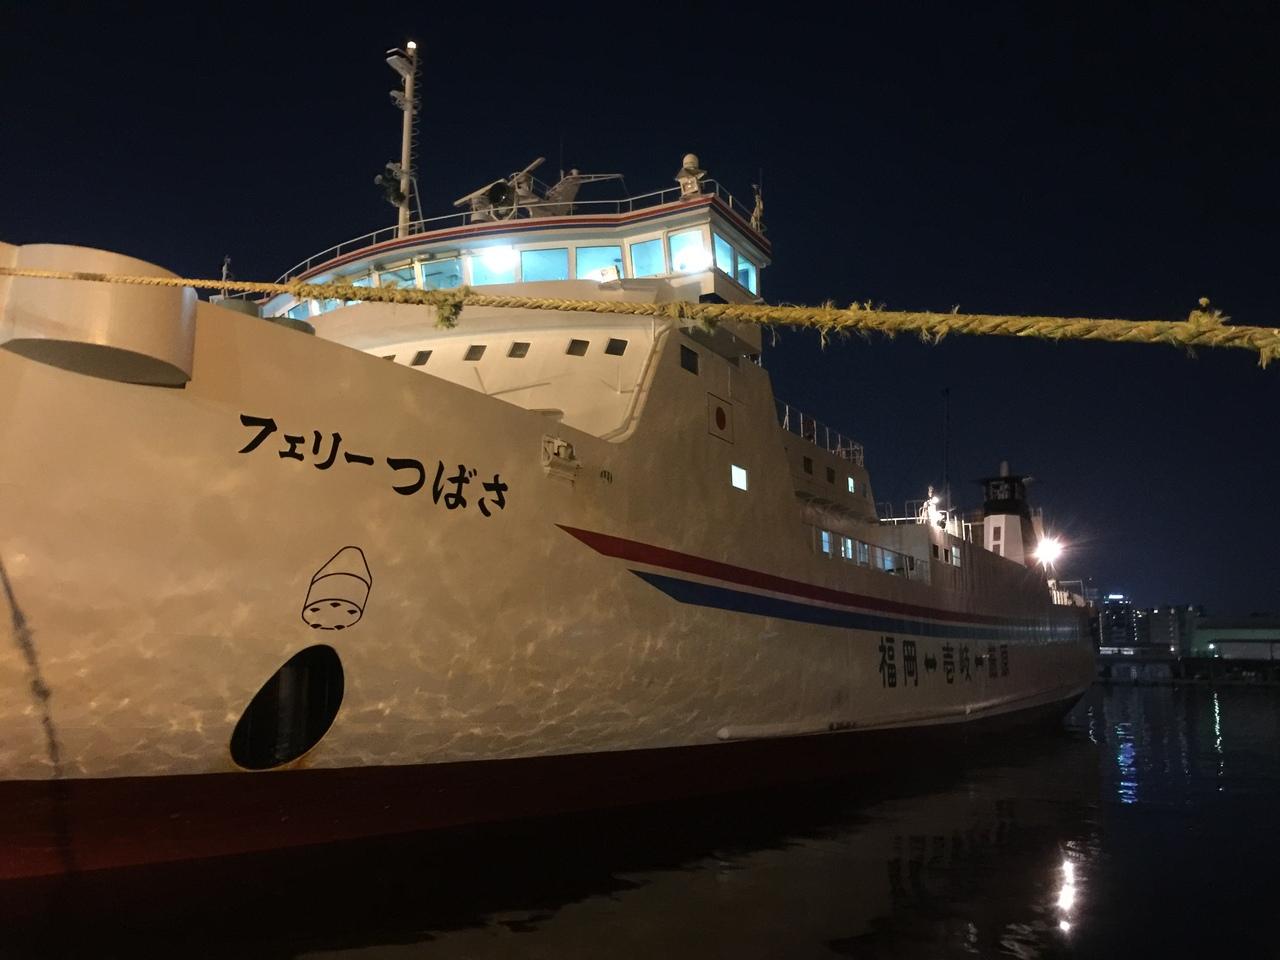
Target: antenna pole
x,y
406,141
946,447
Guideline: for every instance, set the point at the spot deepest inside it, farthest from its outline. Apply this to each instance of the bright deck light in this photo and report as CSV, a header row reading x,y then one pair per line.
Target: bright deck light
x,y
1048,551
498,259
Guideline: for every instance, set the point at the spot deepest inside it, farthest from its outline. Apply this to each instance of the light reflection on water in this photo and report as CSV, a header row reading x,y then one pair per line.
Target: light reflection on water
x,y
1144,830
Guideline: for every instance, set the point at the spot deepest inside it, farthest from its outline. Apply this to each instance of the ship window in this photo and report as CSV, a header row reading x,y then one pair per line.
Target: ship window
x,y
864,553
578,348
474,352
400,277
391,357
824,541
421,357
995,533
329,303
747,274
595,263
738,476
808,464
292,712
955,556
846,548
301,312
366,281
493,265
688,359
853,487
646,259
689,252
518,349
615,347
724,253
442,274
544,264
831,475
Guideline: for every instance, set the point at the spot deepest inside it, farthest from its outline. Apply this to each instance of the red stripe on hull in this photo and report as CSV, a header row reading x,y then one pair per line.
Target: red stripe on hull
x,y
54,827
638,552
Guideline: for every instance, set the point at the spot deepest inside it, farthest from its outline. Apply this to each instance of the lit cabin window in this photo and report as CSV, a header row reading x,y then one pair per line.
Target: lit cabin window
x,y
615,347
421,357
864,553
598,263
824,542
474,352
689,253
518,349
738,476
442,274
301,312
646,259
688,359
853,486
329,303
493,265
955,556
399,277
544,264
846,548
724,253
578,348
747,275
365,281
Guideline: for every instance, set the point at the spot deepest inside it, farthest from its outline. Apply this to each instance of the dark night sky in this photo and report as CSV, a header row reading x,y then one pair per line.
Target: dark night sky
x,y
1122,163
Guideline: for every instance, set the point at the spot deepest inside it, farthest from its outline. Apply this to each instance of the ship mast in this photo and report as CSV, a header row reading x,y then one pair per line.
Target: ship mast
x,y
405,63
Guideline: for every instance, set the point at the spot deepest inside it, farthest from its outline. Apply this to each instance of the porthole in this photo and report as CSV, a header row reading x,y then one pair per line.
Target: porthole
x,y
292,712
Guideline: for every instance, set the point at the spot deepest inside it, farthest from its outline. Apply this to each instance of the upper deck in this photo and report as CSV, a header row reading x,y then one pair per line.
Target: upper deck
x,y
657,235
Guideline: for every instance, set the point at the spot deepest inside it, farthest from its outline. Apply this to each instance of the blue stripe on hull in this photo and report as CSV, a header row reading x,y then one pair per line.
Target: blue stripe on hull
x,y
723,598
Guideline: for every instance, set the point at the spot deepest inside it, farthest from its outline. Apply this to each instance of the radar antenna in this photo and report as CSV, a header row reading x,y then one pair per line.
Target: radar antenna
x,y
508,197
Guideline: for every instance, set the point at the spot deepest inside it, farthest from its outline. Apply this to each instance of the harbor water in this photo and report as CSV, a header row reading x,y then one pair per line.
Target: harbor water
x,y
1147,828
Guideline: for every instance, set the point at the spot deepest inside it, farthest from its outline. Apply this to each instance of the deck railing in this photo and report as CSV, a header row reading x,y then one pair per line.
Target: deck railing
x,y
579,208
807,428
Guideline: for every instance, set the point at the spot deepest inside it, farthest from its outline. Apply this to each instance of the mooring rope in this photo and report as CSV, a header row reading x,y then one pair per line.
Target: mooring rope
x,y
1203,327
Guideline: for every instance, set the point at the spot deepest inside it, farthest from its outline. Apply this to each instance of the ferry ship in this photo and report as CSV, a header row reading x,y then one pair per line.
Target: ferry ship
x,y
282,572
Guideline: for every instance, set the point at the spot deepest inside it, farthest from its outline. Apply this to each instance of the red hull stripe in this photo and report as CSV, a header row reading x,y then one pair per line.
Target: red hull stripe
x,y
637,552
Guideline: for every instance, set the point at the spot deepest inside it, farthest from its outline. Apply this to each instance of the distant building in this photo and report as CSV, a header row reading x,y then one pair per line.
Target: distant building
x,y
1173,626
1117,622
1237,638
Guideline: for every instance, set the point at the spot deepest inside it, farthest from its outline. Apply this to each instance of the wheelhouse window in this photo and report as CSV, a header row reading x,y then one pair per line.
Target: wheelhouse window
x,y
493,265
598,263
578,348
399,277
301,311
748,276
474,352
689,253
442,274
421,357
646,258
519,348
723,252
544,264
615,347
